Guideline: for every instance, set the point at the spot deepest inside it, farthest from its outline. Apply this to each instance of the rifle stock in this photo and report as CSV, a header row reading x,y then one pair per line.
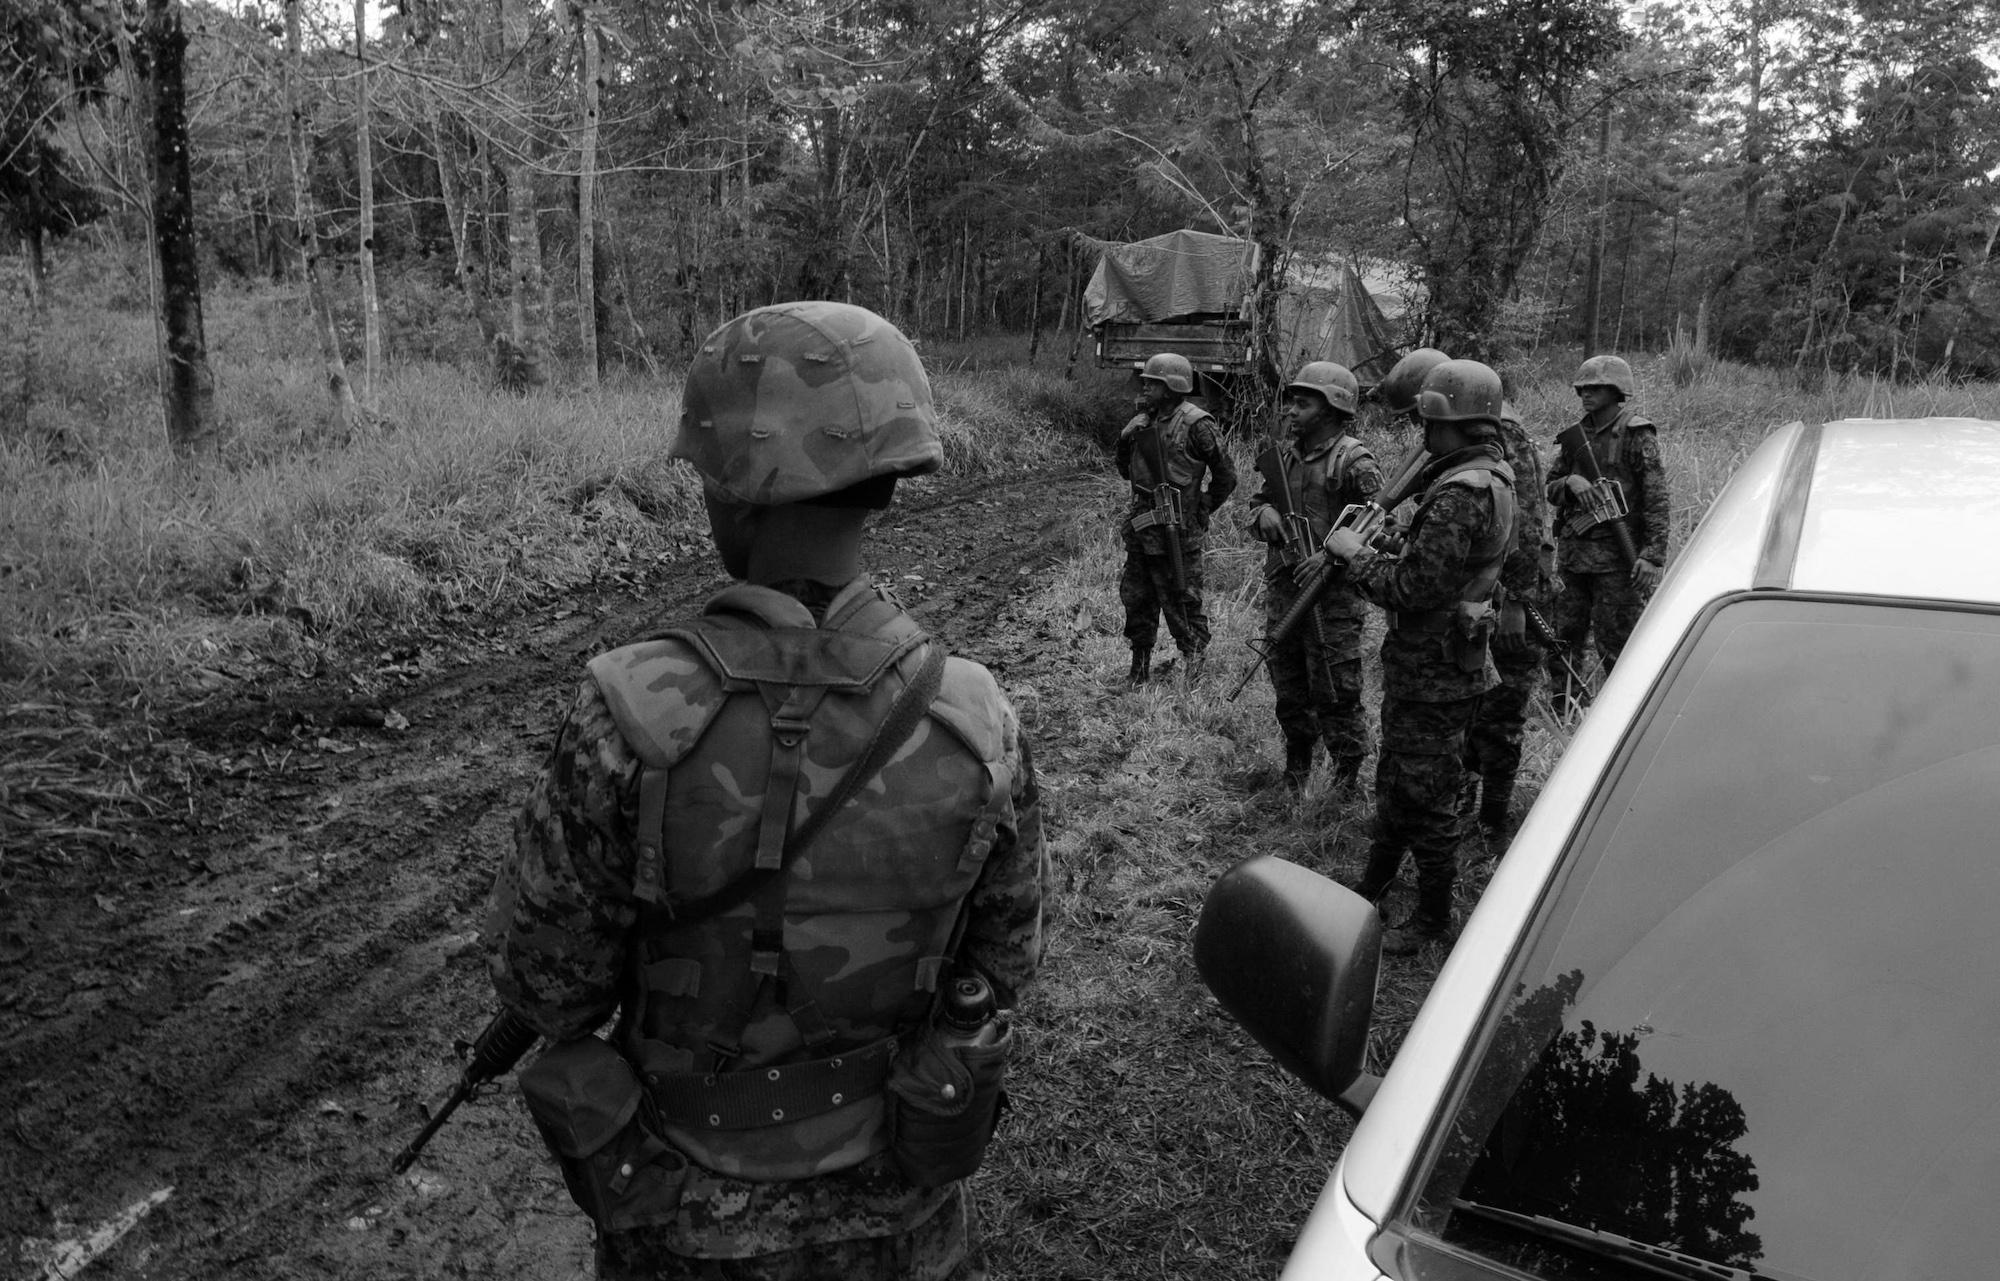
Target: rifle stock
x,y
1576,441
497,1048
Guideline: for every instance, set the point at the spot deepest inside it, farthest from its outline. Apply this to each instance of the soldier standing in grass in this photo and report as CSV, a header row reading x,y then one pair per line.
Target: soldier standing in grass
x,y
1435,665
1166,451
1316,671
1527,581
765,842
1610,567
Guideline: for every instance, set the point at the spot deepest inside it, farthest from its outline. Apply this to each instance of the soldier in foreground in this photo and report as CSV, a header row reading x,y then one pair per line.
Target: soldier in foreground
x,y
1307,481
1167,451
1527,581
1611,509
1435,664
766,843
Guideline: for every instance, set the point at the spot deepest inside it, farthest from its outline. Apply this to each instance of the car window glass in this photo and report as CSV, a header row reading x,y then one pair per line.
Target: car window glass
x,y
1754,1028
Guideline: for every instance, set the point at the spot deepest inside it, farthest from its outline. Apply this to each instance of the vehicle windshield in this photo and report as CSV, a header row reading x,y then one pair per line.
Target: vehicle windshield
x,y
1754,1030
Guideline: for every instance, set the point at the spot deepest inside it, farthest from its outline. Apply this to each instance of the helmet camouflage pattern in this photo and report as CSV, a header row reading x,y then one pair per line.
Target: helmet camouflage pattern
x,y
794,401
1171,369
1333,381
1461,391
1605,371
1406,379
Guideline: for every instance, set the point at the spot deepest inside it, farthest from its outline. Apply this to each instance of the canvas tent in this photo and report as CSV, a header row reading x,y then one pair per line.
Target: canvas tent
x,y
1187,291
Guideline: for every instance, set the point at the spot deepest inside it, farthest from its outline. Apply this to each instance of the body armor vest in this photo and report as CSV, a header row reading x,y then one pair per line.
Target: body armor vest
x,y
1609,448
1495,477
1173,433
764,1030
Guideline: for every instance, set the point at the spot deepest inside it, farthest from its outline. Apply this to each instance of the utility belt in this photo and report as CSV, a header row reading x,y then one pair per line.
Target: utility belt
x,y
1462,631
607,1128
1167,509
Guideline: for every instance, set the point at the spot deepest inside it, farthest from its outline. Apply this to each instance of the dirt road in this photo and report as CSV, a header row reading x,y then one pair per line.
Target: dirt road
x,y
216,1045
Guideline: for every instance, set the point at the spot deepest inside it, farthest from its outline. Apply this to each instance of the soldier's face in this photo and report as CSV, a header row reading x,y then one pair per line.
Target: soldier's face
x,y
1306,412
1596,398
1153,395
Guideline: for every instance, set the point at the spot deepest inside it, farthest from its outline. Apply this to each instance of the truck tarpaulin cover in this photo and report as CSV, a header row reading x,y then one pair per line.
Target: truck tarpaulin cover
x,y
1183,273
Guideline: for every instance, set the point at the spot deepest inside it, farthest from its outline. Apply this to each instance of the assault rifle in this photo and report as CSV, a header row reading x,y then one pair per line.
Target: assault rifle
x,y
498,1048
1295,544
1371,520
1604,501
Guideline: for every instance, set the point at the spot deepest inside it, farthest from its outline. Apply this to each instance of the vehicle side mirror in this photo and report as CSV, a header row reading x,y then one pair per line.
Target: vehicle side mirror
x,y
1293,957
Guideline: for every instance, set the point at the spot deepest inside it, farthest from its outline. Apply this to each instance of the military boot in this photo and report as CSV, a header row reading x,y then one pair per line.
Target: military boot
x,y
1431,923
1298,763
1194,661
1380,872
1496,819
1142,666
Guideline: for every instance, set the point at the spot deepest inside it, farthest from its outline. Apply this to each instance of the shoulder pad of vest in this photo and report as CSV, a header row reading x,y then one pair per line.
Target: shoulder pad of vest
x,y
636,676
1636,423
970,704
1190,413
1483,473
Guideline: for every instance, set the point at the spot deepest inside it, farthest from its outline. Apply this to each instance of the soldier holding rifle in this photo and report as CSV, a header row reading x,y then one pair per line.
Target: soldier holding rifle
x,y
1307,482
1435,663
1612,509
1167,451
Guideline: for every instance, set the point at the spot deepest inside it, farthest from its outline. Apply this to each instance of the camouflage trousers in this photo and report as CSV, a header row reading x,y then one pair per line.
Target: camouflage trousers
x,y
1493,743
1418,779
1317,687
1146,590
1604,606
943,1247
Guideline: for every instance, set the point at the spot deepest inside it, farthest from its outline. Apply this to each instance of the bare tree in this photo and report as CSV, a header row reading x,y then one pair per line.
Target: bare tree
x,y
347,413
371,304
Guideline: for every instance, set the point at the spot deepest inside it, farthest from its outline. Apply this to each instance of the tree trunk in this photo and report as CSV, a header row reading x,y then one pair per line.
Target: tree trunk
x,y
523,359
346,411
1593,294
586,199
35,262
190,384
371,304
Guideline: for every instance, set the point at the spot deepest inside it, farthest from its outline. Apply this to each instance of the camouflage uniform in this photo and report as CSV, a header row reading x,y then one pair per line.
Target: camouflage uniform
x,y
1429,699
1186,434
1316,671
1493,744
570,932
1598,597
655,878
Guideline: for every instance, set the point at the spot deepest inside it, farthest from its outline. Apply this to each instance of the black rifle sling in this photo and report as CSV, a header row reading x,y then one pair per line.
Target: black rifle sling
x,y
895,729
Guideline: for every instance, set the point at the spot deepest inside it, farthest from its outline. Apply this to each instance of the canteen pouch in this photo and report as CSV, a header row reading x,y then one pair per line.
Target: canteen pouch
x,y
944,1103
595,1116
1473,624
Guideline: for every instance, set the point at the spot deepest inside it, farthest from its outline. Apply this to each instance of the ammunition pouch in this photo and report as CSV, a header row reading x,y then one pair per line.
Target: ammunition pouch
x,y
597,1121
945,1103
1473,624
1604,501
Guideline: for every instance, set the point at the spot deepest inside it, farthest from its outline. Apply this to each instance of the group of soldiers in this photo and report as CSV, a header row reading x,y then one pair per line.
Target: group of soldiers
x,y
771,899
1492,543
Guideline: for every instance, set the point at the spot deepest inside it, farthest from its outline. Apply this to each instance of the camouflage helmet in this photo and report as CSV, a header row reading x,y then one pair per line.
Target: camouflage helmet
x,y
1336,383
1461,391
1605,371
802,399
1170,369
1399,390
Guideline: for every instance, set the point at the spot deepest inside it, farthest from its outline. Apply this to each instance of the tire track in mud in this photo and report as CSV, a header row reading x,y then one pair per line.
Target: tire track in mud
x,y
259,1029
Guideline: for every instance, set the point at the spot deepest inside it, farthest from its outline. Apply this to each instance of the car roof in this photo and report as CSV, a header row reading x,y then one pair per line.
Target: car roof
x,y
1904,507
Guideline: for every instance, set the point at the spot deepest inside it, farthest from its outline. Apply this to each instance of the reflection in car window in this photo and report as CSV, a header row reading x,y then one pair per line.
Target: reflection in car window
x,y
1754,1028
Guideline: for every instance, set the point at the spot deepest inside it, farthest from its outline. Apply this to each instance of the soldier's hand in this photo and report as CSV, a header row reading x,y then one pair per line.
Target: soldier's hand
x,y
1309,568
1344,544
1645,575
1510,634
1578,486
1267,524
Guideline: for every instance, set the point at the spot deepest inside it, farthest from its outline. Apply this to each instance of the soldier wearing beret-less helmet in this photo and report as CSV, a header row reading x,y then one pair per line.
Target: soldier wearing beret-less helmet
x,y
1168,448
1315,671
1436,663
765,845
1602,594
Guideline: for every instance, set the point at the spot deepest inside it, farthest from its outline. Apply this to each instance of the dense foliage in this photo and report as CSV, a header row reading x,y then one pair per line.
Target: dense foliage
x,y
1771,181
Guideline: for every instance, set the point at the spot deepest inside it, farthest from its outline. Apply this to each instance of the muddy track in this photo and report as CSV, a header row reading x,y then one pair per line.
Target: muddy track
x,y
255,1014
